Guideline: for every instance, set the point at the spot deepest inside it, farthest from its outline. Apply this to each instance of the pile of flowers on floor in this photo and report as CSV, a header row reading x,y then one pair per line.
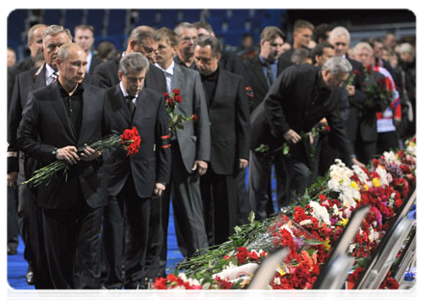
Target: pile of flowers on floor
x,y
309,228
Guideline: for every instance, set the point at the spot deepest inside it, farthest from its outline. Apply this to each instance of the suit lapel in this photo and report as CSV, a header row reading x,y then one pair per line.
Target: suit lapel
x,y
141,106
122,106
220,88
59,106
258,70
177,83
40,78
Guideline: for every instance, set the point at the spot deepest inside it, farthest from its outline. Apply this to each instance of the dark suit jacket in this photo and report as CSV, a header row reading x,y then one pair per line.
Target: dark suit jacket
x,y
288,105
45,125
152,162
229,123
26,82
107,74
256,78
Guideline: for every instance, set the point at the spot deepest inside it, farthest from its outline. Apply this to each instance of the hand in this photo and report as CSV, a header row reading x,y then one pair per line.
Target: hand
x,y
311,138
200,166
68,154
12,178
158,189
243,163
89,153
356,162
323,122
292,137
350,90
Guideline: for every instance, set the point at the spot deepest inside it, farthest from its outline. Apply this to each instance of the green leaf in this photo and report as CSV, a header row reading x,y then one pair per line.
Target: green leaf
x,y
251,217
285,149
313,242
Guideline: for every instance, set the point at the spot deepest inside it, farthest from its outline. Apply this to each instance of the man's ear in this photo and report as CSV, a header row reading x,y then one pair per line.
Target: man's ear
x,y
120,75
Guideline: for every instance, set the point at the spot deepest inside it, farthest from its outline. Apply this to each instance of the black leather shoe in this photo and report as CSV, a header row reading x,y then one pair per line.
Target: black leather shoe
x,y
114,293
30,277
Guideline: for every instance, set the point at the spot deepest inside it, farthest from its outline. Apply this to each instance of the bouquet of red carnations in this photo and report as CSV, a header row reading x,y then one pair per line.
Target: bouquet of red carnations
x,y
175,120
130,140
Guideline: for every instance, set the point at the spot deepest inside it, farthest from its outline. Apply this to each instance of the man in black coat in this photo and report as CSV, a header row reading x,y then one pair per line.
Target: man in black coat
x,y
230,138
299,99
58,123
262,70
20,166
142,40
134,181
84,37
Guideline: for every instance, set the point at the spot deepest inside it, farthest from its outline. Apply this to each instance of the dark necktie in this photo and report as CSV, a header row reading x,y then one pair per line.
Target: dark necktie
x,y
52,78
270,75
130,104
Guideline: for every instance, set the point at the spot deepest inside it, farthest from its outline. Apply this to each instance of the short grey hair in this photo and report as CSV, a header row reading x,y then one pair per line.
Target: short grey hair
x,y
338,31
55,30
407,48
208,40
363,45
32,29
134,60
337,65
141,33
181,26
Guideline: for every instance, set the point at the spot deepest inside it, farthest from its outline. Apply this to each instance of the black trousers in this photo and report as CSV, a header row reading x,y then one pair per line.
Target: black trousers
x,y
220,206
387,141
125,235
12,220
72,243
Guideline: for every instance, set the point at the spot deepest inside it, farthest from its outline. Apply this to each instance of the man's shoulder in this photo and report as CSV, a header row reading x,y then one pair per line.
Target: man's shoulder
x,y
107,65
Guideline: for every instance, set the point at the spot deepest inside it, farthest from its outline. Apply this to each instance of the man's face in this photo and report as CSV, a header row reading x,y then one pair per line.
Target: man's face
x,y
204,60
72,69
327,53
149,48
51,45
133,82
377,49
363,55
187,40
165,54
84,38
203,32
36,44
302,37
271,50
341,45
11,58
334,81
390,41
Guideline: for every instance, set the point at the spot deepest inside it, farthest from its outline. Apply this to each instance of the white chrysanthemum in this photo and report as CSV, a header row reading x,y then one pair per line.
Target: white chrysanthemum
x,y
373,235
383,176
340,175
391,200
320,212
277,281
351,248
391,158
347,198
179,291
362,176
306,222
337,212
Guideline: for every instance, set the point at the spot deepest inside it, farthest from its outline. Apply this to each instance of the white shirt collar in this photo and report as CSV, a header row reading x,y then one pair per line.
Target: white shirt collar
x,y
169,70
125,93
49,71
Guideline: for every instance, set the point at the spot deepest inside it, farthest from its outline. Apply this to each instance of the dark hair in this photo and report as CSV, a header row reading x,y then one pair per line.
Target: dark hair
x,y
321,32
204,25
300,55
270,33
319,49
208,40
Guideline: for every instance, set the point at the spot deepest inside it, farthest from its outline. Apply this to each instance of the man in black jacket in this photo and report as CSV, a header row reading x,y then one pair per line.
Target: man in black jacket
x,y
59,119
299,99
143,40
230,138
134,181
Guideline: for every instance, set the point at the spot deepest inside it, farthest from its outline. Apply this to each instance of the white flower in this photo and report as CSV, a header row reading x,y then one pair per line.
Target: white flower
x,y
229,266
287,228
391,158
337,212
277,281
320,212
374,235
351,248
179,291
362,176
383,176
306,222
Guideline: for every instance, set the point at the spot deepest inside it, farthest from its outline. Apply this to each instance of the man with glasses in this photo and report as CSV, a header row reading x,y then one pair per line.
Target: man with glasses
x,y
187,35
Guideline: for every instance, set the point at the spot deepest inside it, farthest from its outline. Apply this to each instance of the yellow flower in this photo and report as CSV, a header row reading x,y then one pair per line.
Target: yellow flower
x,y
354,185
343,222
365,187
376,182
327,244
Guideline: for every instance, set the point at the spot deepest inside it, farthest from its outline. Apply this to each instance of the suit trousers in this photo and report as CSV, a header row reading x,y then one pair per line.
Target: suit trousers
x,y
12,220
72,243
220,206
244,207
125,235
187,208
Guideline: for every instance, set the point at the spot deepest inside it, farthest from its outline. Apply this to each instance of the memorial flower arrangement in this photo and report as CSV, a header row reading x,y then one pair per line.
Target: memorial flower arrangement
x,y
309,229
176,120
129,140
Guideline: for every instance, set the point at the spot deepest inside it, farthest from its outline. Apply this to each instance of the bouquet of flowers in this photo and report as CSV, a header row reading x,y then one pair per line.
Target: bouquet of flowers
x,y
130,140
176,120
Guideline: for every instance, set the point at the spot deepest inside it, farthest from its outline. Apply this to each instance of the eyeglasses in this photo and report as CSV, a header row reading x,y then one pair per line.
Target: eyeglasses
x,y
188,39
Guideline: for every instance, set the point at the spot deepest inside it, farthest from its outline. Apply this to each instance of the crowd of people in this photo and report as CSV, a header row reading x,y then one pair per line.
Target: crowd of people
x,y
297,106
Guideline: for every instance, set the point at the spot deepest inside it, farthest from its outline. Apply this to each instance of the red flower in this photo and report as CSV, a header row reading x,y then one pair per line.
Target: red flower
x,y
194,118
356,72
178,98
131,139
253,256
176,92
160,284
369,69
226,257
242,255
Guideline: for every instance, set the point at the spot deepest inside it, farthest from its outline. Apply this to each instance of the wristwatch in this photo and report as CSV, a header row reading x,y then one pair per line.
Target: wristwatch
x,y
54,152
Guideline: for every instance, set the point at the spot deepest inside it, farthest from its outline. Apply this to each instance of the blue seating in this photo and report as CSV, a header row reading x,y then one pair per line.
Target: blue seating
x,y
191,15
117,22
169,18
146,17
52,16
95,18
73,18
15,24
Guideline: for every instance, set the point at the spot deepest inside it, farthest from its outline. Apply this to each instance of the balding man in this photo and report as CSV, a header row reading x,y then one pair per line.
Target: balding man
x,y
143,40
58,120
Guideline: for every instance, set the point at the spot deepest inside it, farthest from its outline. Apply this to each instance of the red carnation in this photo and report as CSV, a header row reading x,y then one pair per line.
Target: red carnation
x,y
176,92
131,139
356,72
178,98
160,284
194,118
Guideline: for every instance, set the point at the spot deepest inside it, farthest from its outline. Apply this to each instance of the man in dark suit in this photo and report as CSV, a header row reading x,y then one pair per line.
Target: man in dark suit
x,y
230,138
20,166
299,99
84,37
190,152
262,70
143,40
58,123
134,181
302,33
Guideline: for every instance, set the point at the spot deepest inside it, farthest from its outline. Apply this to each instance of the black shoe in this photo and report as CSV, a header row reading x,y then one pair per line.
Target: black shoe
x,y
114,293
30,277
11,251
